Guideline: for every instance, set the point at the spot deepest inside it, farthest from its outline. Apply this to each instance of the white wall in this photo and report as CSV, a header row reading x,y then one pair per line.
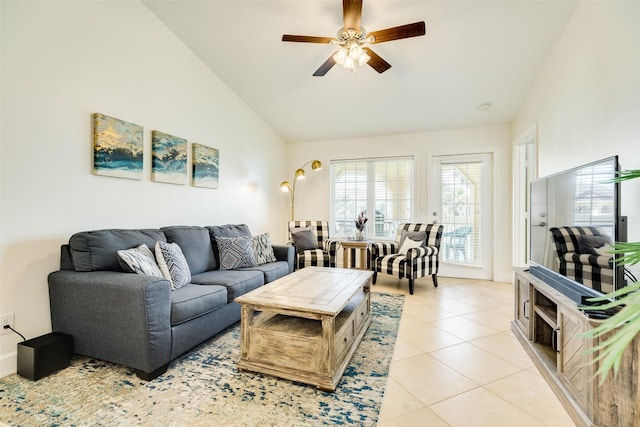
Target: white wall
x,y
586,99
63,61
312,194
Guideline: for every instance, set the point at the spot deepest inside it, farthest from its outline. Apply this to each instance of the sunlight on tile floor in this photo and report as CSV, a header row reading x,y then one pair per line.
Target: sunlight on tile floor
x,y
456,362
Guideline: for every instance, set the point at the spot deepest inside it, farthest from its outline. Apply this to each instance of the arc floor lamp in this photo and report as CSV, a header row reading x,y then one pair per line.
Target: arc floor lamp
x,y
287,187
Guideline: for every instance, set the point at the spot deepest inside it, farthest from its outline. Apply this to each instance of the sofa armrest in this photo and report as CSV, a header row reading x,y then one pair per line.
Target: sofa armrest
x,y
381,249
285,253
123,318
331,246
589,259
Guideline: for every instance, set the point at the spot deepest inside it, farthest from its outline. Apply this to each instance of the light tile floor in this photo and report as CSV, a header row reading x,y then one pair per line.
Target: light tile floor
x,y
456,362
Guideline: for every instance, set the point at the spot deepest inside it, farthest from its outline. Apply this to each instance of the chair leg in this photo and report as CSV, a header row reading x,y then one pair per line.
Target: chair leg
x,y
435,280
375,276
411,285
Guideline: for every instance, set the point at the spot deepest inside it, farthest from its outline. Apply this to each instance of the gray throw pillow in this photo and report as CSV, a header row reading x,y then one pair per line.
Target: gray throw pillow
x,y
139,260
262,249
304,239
587,244
236,252
173,264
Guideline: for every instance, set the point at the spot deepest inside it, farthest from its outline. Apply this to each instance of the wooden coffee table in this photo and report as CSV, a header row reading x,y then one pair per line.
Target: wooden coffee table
x,y
307,325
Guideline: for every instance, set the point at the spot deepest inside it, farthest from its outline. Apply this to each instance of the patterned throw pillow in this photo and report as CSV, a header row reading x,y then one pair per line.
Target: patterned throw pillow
x,y
173,264
236,252
262,249
139,260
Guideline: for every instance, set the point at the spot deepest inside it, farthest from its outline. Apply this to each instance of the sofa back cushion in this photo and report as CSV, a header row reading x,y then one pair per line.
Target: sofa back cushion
x,y
98,250
227,230
195,243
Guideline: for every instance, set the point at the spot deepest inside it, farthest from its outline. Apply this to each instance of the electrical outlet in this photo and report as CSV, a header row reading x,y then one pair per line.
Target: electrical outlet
x,y
6,319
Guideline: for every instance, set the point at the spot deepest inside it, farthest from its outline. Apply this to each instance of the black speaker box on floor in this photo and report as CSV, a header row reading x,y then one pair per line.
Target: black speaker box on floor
x,y
42,356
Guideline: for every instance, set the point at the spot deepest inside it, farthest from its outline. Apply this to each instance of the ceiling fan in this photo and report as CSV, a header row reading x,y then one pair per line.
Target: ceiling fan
x,y
352,37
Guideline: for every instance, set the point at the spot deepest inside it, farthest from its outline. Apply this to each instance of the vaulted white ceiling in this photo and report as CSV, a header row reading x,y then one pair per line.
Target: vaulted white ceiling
x,y
474,52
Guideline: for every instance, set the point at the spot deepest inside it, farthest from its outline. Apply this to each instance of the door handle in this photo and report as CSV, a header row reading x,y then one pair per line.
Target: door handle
x,y
554,340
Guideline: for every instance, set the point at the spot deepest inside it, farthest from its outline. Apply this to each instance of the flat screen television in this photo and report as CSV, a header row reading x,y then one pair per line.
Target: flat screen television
x,y
574,217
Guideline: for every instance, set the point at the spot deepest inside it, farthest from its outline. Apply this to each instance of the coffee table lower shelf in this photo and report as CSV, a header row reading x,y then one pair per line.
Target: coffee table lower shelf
x,y
305,347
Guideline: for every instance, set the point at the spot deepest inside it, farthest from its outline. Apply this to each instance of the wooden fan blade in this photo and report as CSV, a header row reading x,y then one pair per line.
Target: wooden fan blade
x,y
324,68
401,32
351,13
376,62
306,39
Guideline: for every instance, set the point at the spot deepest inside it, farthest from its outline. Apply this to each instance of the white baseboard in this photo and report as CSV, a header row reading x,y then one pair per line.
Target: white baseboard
x,y
506,278
8,364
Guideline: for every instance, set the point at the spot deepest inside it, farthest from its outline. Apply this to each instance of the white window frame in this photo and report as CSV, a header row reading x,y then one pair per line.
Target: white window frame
x,y
384,224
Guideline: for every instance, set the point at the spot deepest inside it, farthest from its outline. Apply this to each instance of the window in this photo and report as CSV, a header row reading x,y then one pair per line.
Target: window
x,y
594,197
381,188
461,212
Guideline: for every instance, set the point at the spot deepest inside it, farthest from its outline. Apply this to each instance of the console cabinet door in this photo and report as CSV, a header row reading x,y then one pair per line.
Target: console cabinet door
x,y
574,369
617,400
523,307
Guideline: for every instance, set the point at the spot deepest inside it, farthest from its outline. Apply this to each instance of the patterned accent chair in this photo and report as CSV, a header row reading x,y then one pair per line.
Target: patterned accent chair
x,y
417,262
325,254
588,268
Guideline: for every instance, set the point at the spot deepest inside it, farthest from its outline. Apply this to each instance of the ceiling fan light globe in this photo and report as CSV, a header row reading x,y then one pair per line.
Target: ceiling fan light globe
x,y
364,58
349,63
355,51
340,56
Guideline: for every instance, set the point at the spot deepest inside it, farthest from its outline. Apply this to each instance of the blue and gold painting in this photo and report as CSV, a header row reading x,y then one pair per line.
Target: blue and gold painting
x,y
169,160
117,147
206,166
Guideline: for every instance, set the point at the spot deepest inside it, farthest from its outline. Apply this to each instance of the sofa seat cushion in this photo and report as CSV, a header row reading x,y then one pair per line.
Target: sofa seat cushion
x,y
272,270
237,282
191,301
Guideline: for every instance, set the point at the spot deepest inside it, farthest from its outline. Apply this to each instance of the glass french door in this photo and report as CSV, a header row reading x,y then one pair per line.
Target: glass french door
x,y
460,199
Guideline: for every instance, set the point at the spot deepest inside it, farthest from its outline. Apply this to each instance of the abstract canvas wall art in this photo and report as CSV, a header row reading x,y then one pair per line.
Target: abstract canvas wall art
x,y
169,160
117,147
206,166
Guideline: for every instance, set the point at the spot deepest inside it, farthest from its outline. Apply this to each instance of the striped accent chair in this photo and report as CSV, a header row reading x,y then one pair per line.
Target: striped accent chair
x,y
417,262
588,268
325,254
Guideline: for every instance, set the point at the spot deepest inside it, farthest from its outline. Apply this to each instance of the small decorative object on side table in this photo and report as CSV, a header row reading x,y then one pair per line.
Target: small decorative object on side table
x,y
360,223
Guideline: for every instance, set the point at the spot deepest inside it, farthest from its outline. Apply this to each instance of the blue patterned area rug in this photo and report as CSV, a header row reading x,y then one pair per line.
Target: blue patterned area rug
x,y
205,388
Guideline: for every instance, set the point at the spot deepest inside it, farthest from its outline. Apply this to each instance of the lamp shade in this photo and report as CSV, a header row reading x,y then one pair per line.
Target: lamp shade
x,y
300,173
316,165
285,187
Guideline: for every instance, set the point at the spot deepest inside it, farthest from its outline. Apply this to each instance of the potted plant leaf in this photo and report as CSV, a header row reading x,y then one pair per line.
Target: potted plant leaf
x,y
620,329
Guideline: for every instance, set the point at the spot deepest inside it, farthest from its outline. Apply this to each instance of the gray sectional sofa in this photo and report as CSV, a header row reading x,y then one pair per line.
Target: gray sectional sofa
x,y
137,320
